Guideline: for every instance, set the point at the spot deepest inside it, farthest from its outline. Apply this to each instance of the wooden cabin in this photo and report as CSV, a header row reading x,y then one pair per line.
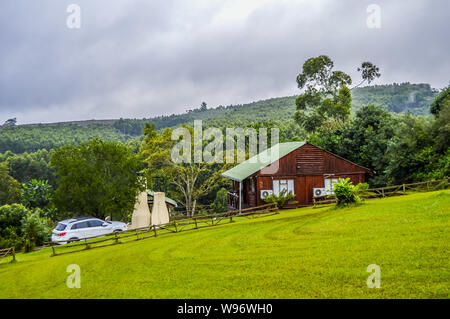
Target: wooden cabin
x,y
299,167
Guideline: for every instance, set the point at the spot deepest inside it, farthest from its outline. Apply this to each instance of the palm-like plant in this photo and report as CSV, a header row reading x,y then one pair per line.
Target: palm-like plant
x,y
282,199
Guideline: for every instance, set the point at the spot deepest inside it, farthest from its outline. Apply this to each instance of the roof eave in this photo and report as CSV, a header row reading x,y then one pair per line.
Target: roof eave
x,y
232,178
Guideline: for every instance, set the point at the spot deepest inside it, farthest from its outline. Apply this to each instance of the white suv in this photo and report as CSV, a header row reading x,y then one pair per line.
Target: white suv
x,y
84,227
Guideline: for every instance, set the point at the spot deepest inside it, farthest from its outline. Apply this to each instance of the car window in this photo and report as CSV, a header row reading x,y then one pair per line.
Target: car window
x,y
95,223
80,225
60,226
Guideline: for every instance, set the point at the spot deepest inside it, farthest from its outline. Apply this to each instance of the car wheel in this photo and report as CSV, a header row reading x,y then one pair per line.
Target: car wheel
x,y
72,239
117,230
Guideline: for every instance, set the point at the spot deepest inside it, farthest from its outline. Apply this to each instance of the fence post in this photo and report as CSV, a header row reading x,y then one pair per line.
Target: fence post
x,y
13,254
175,223
154,229
404,189
53,248
195,220
115,236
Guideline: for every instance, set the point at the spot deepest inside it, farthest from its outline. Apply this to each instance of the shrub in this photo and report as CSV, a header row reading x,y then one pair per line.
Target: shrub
x,y
35,230
346,193
282,199
22,228
9,187
220,203
10,224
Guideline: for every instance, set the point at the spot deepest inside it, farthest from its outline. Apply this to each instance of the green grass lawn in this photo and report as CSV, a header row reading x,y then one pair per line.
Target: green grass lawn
x,y
302,253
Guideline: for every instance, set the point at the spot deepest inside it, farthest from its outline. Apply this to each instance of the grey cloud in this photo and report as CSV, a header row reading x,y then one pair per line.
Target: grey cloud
x,y
145,58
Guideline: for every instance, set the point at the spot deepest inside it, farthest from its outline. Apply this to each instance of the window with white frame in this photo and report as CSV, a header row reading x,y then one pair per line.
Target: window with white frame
x,y
329,183
279,185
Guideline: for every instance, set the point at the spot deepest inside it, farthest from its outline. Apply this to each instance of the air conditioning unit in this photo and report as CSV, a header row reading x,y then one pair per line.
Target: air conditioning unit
x,y
265,193
320,192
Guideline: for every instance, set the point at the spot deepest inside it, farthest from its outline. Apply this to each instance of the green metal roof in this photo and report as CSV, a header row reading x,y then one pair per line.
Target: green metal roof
x,y
263,159
168,200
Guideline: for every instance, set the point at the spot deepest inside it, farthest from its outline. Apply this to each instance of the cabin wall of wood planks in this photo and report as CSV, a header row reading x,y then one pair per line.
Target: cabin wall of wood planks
x,y
308,166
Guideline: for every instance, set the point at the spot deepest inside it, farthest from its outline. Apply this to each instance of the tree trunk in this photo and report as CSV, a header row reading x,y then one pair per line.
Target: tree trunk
x,y
193,208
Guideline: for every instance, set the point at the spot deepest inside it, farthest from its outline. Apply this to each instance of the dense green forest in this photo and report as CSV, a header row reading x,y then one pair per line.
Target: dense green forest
x,y
31,138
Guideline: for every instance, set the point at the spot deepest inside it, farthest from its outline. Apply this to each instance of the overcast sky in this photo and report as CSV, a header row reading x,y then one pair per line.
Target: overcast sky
x,y
140,58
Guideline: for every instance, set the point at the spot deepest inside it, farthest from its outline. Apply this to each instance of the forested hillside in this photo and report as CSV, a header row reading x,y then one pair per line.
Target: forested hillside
x,y
275,109
397,98
30,138
415,98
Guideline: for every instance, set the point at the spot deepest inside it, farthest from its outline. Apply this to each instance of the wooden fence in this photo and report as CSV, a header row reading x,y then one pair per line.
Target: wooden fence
x,y
180,211
324,202
388,191
175,226
8,252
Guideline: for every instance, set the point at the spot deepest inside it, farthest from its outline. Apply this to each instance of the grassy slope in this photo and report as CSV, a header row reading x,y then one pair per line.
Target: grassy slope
x,y
303,253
